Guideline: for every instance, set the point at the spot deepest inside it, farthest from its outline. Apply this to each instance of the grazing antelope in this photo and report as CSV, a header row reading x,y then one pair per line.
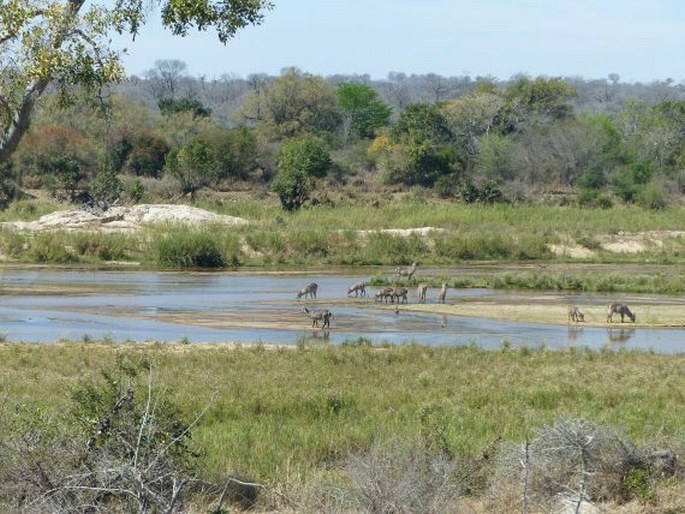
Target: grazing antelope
x,y
399,294
406,272
323,315
619,308
443,293
358,289
575,315
310,291
421,293
384,294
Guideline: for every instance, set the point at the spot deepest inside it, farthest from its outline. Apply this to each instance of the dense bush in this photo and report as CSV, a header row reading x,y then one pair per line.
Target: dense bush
x,y
307,154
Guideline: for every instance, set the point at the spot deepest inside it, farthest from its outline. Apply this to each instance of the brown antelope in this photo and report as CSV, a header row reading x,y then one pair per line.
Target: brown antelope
x,y
421,293
406,272
575,315
323,315
384,294
443,293
399,294
310,291
358,289
619,308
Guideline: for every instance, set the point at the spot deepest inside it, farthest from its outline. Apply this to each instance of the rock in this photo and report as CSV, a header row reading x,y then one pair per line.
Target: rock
x,y
124,219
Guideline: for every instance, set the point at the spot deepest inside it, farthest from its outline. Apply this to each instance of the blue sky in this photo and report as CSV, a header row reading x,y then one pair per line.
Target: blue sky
x,y
641,40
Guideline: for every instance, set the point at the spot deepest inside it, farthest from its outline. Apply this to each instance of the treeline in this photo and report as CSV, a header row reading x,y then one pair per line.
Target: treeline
x,y
474,140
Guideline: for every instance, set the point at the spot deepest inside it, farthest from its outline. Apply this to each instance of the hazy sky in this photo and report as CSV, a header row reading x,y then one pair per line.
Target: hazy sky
x,y
641,40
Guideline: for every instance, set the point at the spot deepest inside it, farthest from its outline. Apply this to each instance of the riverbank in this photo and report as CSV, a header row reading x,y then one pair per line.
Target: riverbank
x,y
256,232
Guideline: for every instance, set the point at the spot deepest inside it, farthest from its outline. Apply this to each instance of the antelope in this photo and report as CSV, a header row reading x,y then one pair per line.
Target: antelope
x,y
310,291
406,272
384,294
575,315
316,316
443,293
358,289
421,293
619,308
399,293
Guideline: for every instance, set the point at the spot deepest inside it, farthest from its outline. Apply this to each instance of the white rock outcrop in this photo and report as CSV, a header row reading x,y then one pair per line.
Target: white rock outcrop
x,y
124,218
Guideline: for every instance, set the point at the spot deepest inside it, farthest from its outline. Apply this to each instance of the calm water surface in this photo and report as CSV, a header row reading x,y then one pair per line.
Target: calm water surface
x,y
39,305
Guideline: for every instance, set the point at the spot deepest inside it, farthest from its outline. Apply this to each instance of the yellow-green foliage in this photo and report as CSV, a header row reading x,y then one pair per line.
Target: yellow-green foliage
x,y
283,413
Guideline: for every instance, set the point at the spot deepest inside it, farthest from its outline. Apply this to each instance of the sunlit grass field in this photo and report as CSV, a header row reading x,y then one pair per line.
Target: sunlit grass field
x,y
285,414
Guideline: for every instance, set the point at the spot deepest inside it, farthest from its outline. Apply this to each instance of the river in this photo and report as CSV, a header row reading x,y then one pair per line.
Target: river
x,y
47,305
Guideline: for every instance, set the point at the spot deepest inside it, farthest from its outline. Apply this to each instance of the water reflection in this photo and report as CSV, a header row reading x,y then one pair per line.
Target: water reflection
x,y
620,335
573,332
46,305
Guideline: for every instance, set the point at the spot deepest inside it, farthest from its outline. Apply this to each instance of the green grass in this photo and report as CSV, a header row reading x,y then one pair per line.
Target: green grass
x,y
325,236
283,415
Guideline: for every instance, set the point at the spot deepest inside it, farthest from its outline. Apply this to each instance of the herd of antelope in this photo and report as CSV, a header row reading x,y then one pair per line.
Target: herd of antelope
x,y
399,295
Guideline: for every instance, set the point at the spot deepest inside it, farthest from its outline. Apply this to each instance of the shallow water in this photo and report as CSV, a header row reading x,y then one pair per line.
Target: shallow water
x,y
44,305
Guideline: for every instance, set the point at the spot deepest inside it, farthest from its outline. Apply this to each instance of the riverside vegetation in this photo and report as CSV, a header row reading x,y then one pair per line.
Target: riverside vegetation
x,y
326,235
319,428
313,429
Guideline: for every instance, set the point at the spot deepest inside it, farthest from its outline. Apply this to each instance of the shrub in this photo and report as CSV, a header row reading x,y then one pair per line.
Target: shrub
x,y
400,477
652,196
147,155
107,187
307,155
574,461
122,448
293,187
182,249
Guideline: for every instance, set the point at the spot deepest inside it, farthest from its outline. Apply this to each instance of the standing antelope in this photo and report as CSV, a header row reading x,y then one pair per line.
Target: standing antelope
x,y
399,293
384,294
421,293
406,272
358,289
619,308
316,316
310,291
574,314
443,293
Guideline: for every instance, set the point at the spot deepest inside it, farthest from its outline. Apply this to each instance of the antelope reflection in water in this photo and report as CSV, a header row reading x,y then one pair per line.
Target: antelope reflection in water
x,y
620,335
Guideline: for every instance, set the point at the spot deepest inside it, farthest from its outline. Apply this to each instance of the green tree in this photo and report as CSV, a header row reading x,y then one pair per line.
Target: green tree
x,y
295,103
363,112
300,161
293,187
306,154
172,106
548,97
107,186
192,165
236,151
420,150
470,117
66,44
420,122
147,155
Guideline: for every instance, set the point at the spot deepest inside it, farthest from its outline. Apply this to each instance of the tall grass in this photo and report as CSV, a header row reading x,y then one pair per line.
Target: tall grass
x,y
193,247
285,414
325,235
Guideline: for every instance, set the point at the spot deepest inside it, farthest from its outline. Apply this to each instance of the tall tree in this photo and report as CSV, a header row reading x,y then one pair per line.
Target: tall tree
x,y
66,44
293,104
363,112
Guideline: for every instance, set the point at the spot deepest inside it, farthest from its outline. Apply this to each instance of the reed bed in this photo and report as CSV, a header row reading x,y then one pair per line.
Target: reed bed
x,y
325,235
